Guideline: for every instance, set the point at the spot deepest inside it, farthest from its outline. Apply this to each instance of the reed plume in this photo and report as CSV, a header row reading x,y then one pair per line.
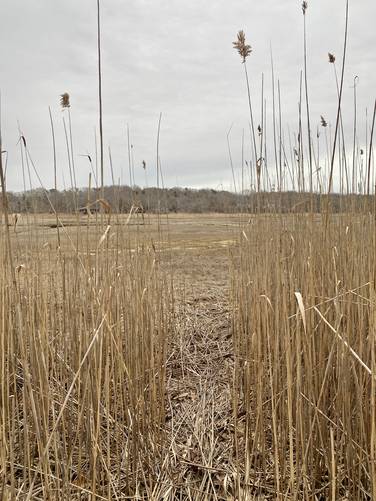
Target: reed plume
x,y
243,49
65,100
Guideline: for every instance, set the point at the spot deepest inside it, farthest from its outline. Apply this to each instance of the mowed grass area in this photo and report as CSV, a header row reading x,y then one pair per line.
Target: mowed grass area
x,y
182,229
189,357
194,248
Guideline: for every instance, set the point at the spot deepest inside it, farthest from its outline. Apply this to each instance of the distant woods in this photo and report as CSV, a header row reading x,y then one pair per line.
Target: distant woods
x,y
181,200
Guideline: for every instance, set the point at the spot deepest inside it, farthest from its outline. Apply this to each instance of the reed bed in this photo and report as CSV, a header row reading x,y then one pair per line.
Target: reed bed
x,y
83,347
304,342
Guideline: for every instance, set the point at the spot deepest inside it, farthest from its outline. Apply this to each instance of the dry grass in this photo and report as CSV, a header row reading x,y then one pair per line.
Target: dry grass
x,y
116,385
83,349
304,340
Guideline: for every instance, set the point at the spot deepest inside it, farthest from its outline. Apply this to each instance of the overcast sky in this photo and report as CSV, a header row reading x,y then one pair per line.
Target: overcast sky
x,y
174,57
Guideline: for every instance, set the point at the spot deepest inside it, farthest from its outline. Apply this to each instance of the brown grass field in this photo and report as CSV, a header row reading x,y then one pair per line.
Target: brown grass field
x,y
188,357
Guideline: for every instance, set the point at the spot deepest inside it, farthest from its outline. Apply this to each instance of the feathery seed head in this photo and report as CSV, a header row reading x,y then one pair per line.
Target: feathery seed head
x,y
331,57
324,123
65,100
243,49
304,7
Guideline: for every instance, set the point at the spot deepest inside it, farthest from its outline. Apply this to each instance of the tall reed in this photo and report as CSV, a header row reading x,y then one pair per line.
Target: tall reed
x,y
304,341
83,356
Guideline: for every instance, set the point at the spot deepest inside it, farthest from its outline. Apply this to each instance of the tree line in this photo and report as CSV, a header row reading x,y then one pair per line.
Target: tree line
x,y
182,200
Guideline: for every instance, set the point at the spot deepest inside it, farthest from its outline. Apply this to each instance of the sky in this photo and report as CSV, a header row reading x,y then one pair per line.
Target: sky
x,y
176,58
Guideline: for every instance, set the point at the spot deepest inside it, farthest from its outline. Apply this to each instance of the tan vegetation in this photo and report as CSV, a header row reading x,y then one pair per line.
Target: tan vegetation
x,y
305,344
114,386
151,355
83,343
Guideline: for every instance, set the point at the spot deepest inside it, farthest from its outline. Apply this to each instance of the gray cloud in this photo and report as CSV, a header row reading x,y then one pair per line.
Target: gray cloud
x,y
176,58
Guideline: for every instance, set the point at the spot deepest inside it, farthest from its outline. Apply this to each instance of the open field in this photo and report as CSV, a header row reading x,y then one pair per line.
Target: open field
x,y
189,357
184,231
194,248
